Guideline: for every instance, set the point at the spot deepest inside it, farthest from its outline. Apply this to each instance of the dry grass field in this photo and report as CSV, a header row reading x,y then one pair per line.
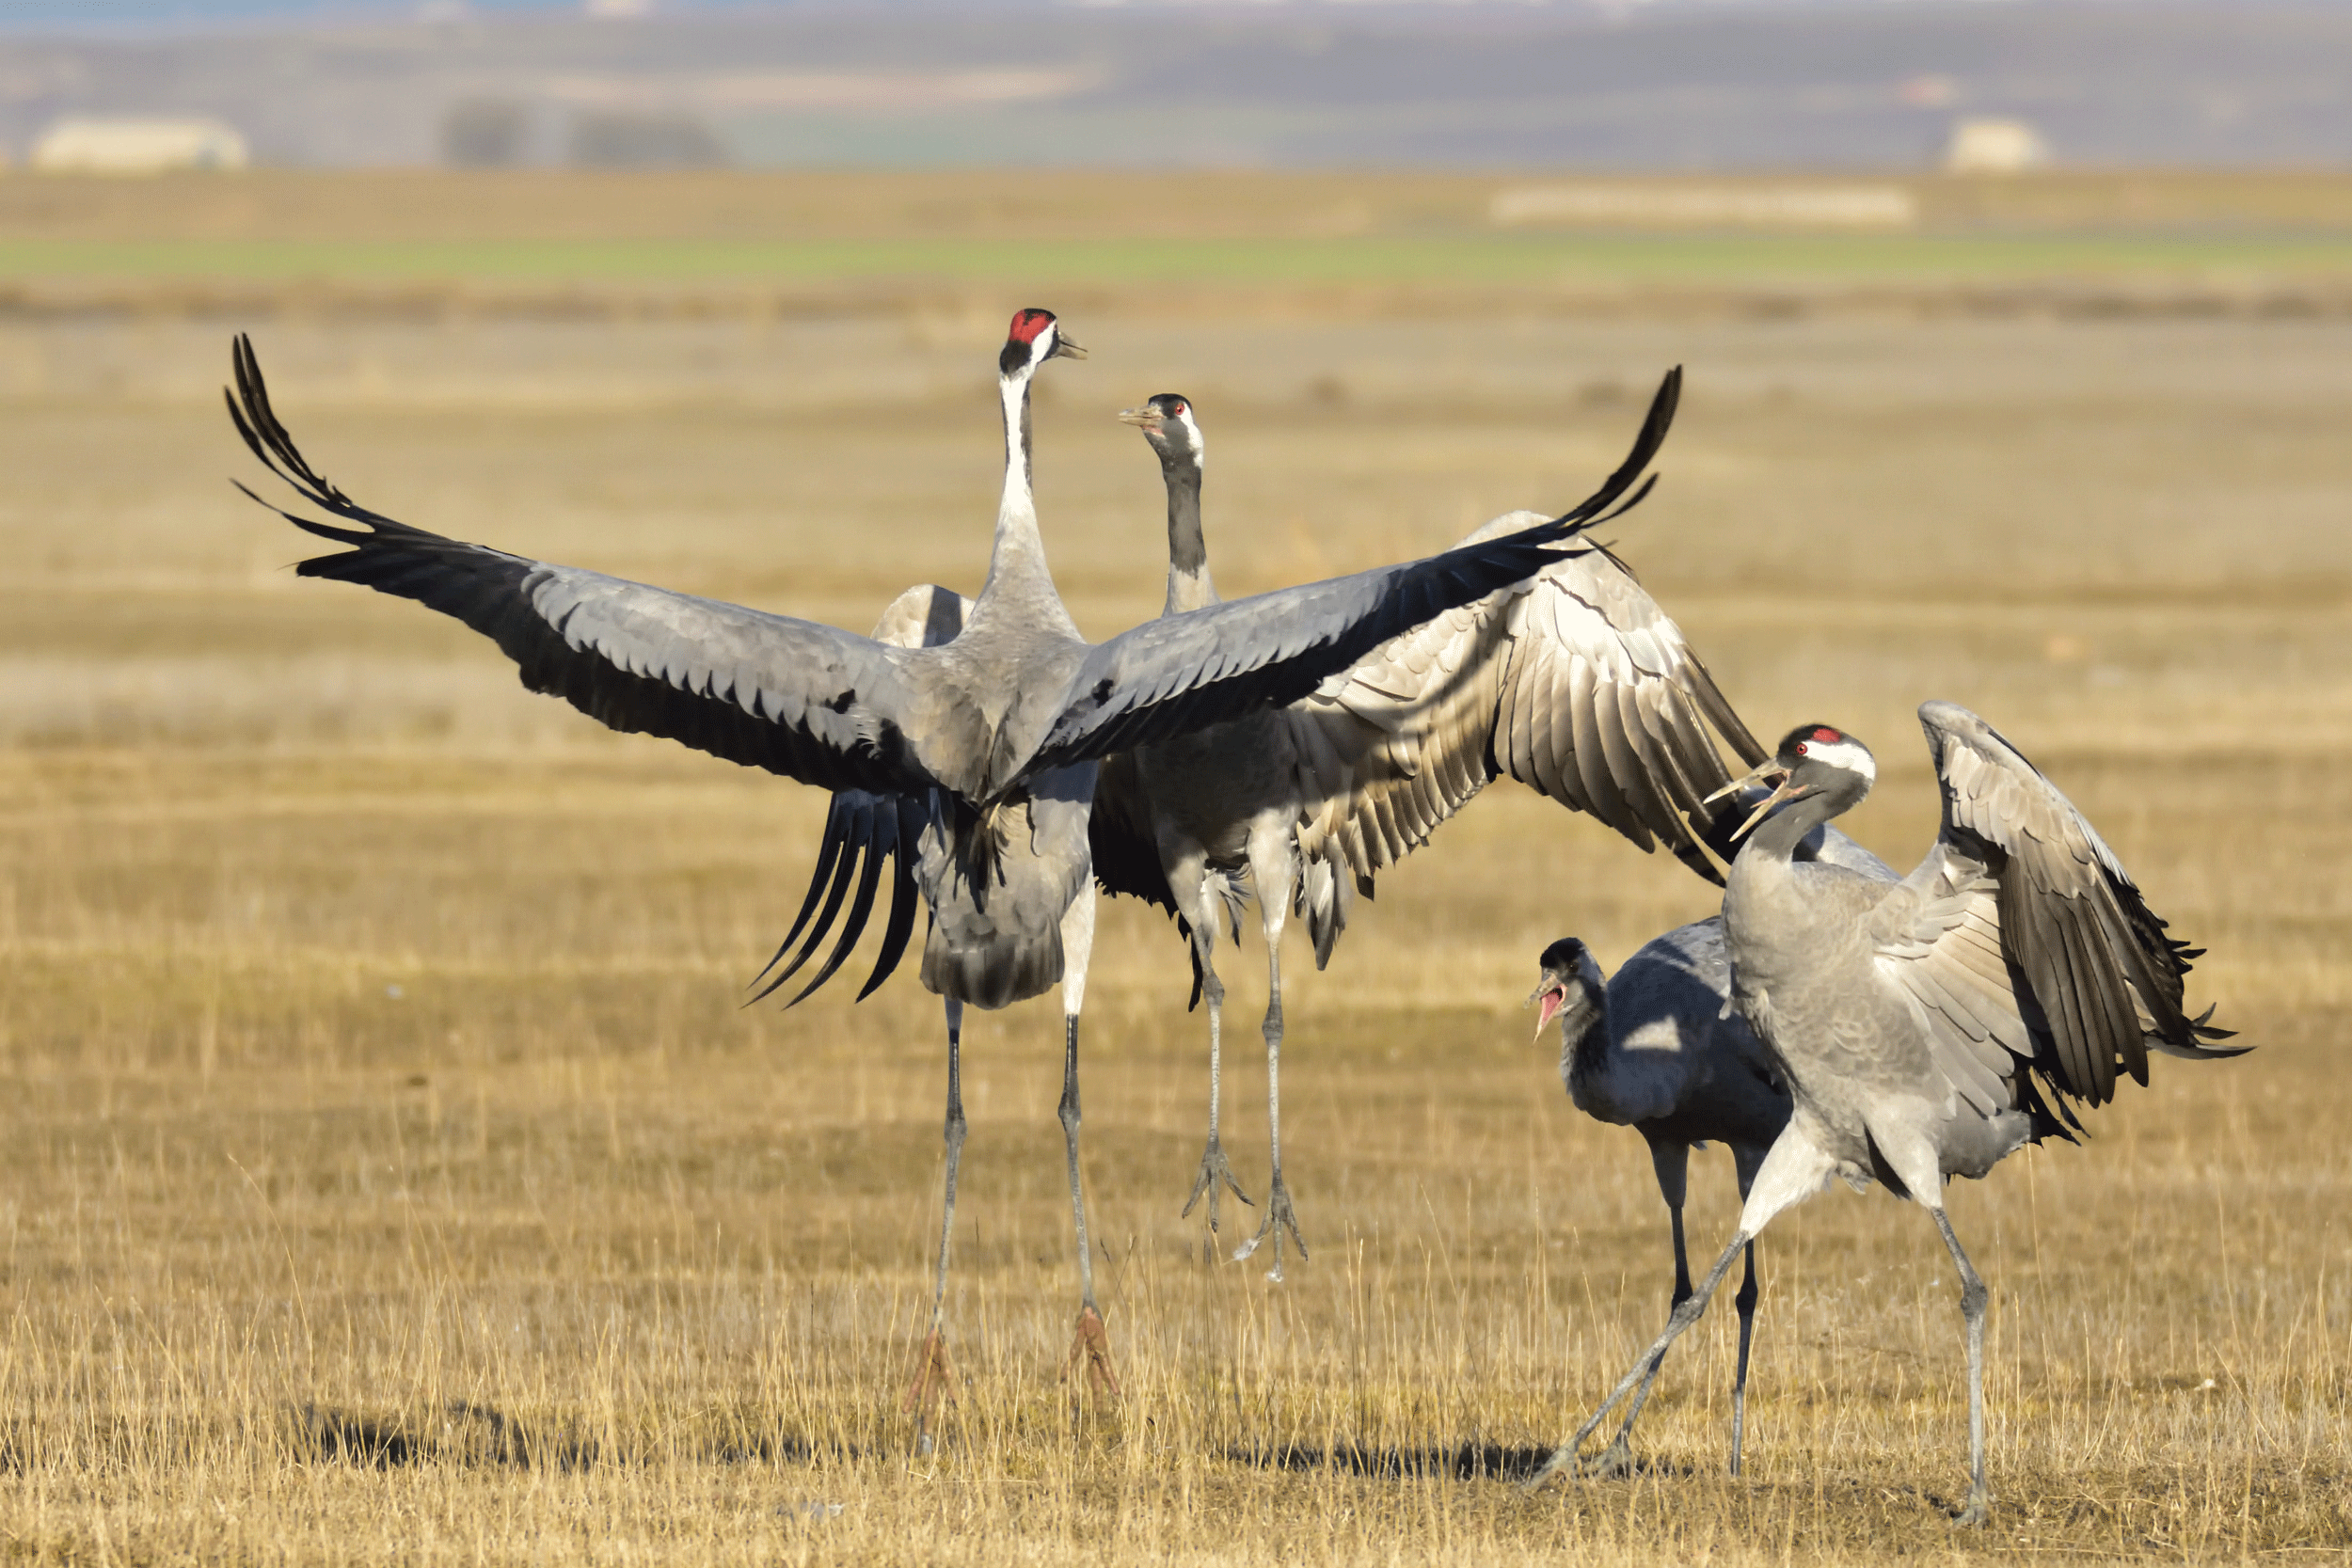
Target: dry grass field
x,y
391,1176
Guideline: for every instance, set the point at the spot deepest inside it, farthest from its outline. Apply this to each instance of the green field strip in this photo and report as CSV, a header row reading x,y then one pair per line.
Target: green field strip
x,y
1463,259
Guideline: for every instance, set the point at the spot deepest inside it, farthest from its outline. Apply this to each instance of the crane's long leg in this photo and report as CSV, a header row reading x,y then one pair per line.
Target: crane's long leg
x,y
1972,1300
1686,1312
1745,1301
1793,1171
1748,1159
934,1376
1671,1162
1274,867
1091,1343
1188,880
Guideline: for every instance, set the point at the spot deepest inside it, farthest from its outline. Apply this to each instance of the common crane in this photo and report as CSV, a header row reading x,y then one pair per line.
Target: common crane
x,y
985,745
1571,680
1930,1026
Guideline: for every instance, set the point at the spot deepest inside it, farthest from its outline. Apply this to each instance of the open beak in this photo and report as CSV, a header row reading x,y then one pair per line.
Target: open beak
x,y
1548,999
1788,790
1757,775
1144,418
1065,349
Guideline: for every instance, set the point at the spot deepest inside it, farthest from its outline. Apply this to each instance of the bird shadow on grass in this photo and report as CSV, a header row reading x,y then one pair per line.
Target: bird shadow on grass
x,y
1467,1462
481,1436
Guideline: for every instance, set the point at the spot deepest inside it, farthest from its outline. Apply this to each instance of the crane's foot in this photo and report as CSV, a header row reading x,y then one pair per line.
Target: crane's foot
x,y
934,1385
1216,1175
1090,1345
1279,1216
1563,1458
1613,1463
1979,1509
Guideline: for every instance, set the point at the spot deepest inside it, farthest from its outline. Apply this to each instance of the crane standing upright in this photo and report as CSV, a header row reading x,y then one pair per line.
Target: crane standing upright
x,y
985,744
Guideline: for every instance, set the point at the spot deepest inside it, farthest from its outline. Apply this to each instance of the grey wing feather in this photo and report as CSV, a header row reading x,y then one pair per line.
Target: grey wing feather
x,y
1183,673
796,698
1573,681
2025,941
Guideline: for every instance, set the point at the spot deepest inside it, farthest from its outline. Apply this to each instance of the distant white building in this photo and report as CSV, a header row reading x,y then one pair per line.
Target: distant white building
x,y
89,144
1994,146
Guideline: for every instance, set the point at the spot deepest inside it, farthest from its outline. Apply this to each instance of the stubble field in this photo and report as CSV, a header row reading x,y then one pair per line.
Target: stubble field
x,y
392,1177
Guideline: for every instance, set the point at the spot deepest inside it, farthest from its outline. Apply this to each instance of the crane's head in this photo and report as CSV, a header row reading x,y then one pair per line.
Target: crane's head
x,y
1811,759
1166,421
1034,337
1571,987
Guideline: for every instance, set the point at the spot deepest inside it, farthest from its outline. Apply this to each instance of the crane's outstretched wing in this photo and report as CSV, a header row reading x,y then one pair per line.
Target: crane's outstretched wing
x,y
1573,681
796,698
1183,673
2026,943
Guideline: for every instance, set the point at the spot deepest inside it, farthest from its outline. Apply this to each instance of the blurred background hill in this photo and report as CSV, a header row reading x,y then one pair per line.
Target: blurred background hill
x,y
1669,86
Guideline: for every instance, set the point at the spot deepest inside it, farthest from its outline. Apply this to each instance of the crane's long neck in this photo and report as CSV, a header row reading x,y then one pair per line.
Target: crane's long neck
x,y
1584,1031
1189,584
1018,576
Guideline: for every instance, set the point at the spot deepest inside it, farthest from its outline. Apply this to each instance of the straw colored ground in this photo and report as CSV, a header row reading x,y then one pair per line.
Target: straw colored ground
x,y
392,1177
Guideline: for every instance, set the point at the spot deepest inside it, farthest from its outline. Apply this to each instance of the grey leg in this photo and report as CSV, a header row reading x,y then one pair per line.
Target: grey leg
x,y
1216,1172
1745,1301
1091,1344
1748,1159
1972,1300
934,1377
1274,867
1671,1161
1792,1171
1686,1312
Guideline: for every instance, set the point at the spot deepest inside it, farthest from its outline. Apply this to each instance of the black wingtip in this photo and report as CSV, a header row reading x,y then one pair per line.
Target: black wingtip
x,y
1655,424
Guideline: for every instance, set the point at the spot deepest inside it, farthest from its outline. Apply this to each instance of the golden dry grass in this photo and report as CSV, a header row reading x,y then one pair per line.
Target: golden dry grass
x,y
392,1179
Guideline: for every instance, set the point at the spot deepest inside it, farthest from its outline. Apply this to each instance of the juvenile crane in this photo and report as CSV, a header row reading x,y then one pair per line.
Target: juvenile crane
x,y
1928,1027
985,744
1652,1048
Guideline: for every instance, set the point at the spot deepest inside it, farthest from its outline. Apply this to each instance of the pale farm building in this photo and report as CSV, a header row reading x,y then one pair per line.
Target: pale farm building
x,y
85,144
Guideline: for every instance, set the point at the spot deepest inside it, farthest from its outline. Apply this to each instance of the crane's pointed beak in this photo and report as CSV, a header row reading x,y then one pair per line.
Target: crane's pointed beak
x,y
1788,790
1756,775
1548,999
1065,349
1144,418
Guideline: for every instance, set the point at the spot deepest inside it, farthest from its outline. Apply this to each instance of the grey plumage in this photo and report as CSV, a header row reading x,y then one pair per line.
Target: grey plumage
x,y
1571,680
1186,822
1931,1026
985,743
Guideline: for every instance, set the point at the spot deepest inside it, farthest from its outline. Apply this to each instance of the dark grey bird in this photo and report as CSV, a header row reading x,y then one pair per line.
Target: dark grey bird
x,y
984,745
1651,1048
1930,1026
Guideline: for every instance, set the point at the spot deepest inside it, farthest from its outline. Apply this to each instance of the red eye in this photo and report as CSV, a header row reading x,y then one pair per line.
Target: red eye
x,y
1801,751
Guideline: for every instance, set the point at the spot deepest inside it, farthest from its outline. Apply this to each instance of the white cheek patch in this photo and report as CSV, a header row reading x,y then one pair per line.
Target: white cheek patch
x,y
1847,755
1192,432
